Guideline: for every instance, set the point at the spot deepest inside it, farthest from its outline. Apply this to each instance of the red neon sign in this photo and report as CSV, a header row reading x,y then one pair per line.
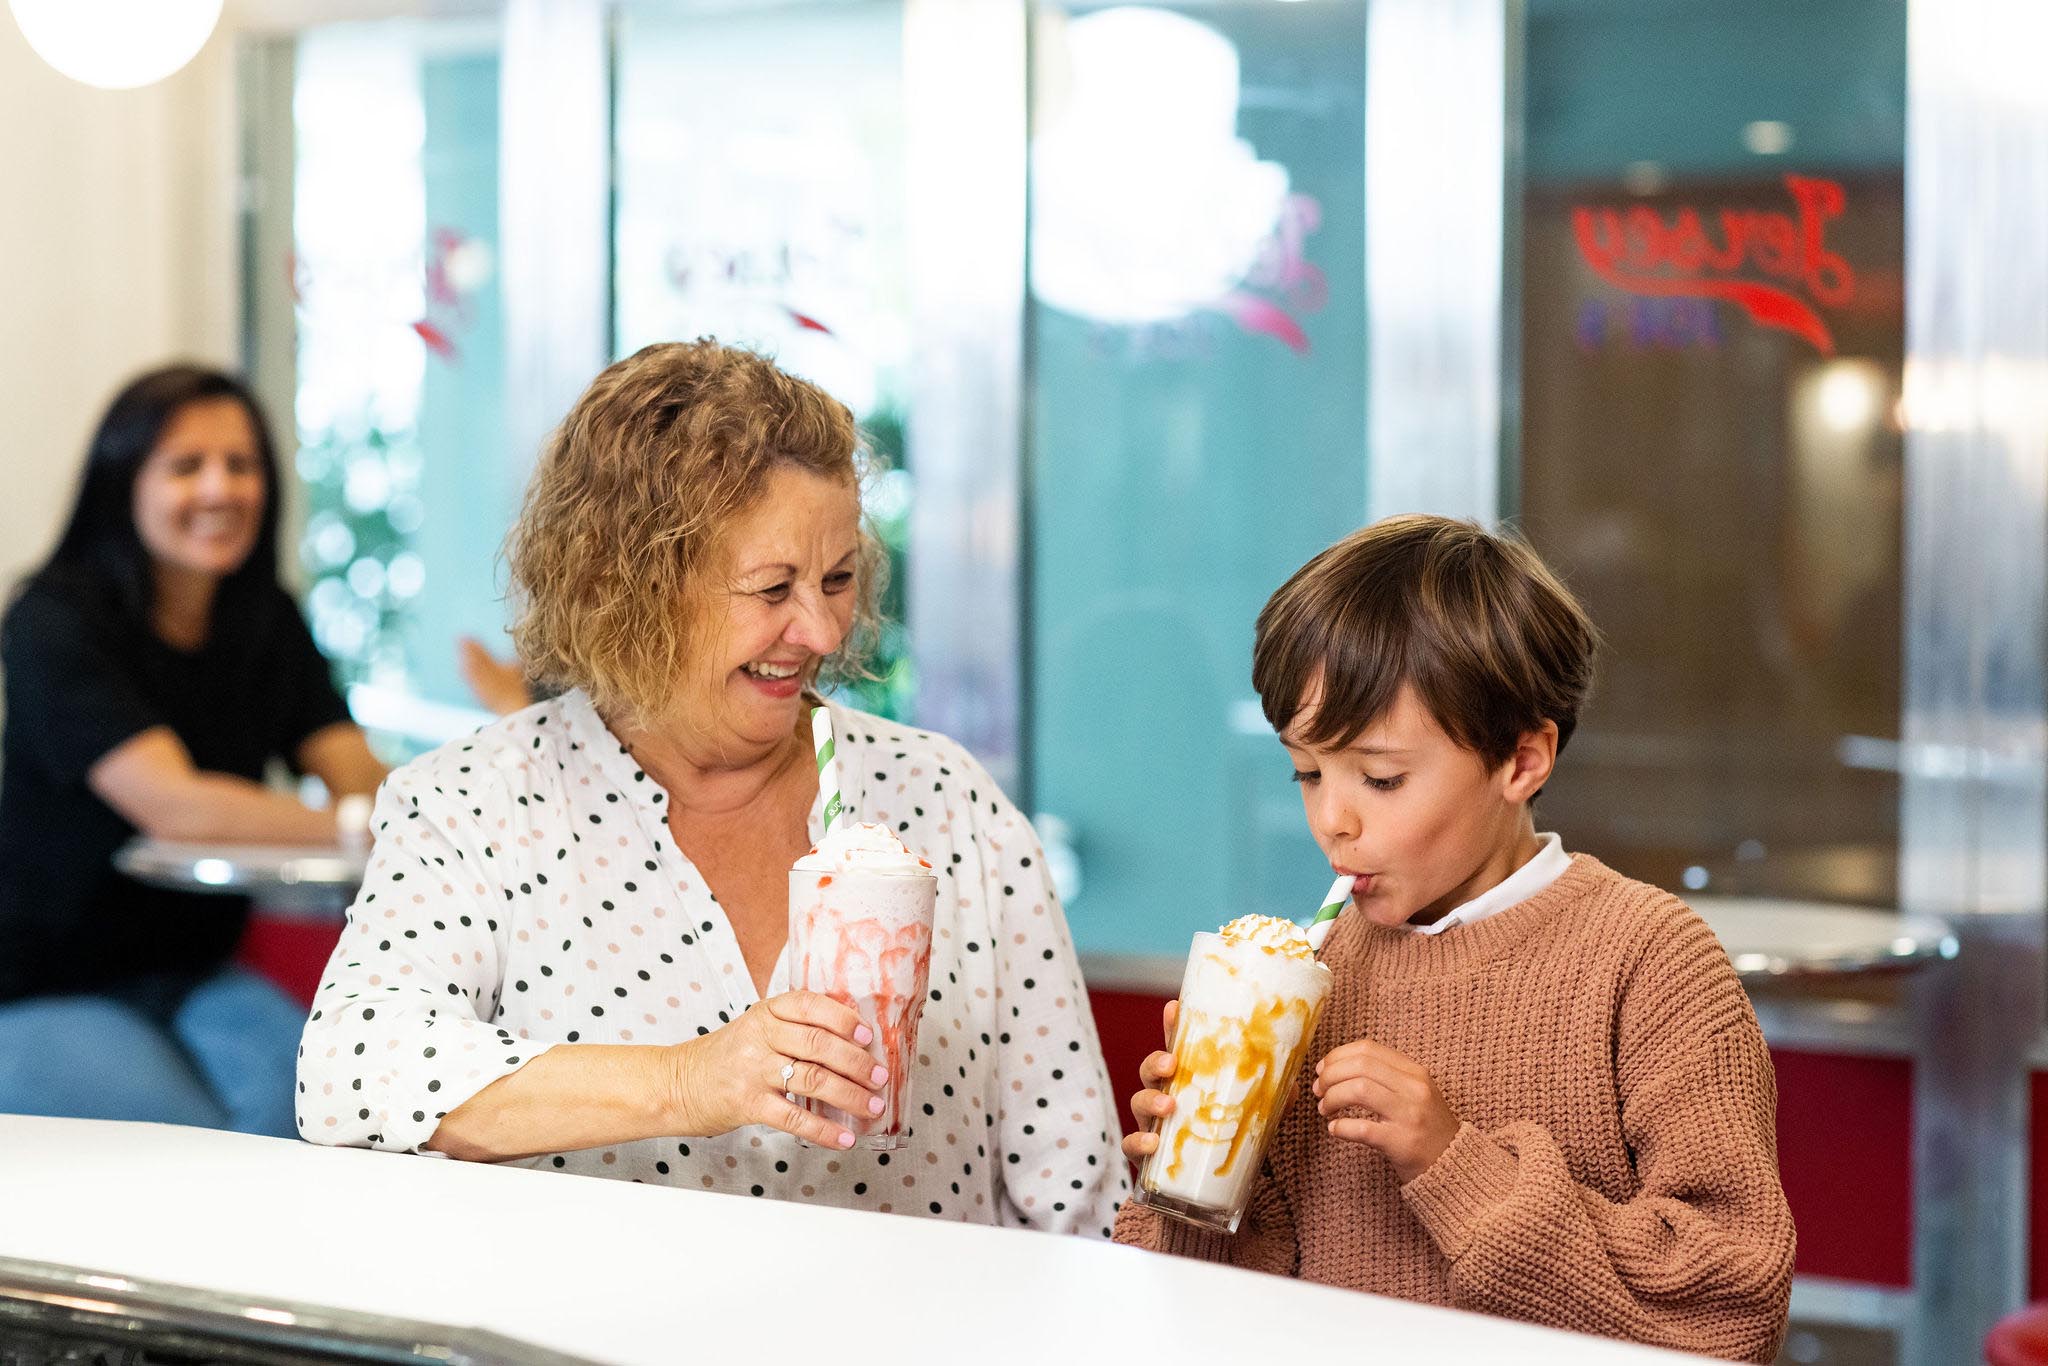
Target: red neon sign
x,y
1637,250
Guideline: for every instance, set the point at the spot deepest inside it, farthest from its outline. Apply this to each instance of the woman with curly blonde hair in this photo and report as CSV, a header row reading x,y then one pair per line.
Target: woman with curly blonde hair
x,y
569,949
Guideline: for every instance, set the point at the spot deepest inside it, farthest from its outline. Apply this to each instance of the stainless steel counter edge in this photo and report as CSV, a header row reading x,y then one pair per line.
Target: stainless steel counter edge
x,y
44,1296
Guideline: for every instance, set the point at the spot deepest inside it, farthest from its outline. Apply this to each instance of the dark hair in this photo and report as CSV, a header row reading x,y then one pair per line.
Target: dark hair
x,y
1489,639
101,541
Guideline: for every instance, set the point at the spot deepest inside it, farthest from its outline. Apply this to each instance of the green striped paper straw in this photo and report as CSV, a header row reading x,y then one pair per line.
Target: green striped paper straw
x,y
828,765
1333,905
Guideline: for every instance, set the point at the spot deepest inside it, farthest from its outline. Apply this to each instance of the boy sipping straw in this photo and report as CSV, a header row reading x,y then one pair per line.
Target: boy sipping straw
x,y
1542,1092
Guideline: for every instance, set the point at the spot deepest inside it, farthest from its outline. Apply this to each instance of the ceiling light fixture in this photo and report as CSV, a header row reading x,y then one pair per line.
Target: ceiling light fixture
x,y
116,44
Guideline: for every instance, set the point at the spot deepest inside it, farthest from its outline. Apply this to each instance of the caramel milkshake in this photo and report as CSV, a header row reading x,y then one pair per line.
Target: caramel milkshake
x,y
860,931
1249,1002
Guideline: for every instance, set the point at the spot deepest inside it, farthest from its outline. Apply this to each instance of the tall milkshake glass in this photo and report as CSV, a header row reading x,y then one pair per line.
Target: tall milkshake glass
x,y
860,931
1249,1002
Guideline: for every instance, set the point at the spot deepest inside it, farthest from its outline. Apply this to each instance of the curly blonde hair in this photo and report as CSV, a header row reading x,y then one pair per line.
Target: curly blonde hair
x,y
627,508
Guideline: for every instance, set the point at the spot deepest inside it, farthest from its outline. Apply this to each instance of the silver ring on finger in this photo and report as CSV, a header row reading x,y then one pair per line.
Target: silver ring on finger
x,y
788,1071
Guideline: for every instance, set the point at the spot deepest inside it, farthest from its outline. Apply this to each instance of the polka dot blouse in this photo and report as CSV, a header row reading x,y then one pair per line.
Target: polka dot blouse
x,y
524,891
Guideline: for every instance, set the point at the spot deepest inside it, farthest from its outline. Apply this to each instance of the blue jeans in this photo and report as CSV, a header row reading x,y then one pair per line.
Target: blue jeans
x,y
223,1055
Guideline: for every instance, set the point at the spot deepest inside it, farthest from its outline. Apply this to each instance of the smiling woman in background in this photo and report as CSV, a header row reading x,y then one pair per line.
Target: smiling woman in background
x,y
154,668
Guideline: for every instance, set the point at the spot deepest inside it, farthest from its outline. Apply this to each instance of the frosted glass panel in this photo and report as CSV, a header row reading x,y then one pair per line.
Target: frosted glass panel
x,y
1197,429
408,484
1712,350
761,199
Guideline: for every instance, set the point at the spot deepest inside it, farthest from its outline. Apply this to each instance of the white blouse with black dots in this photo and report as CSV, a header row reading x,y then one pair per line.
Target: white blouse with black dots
x,y
525,891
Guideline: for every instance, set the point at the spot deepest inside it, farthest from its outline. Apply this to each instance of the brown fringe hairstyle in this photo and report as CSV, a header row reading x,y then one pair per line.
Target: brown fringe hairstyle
x,y
1493,644
623,523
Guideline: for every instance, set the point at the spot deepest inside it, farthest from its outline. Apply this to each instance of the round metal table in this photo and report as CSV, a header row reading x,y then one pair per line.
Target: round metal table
x,y
314,877
1771,940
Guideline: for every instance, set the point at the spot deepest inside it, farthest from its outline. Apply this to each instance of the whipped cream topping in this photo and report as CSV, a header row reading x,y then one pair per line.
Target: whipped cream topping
x,y
1271,933
868,848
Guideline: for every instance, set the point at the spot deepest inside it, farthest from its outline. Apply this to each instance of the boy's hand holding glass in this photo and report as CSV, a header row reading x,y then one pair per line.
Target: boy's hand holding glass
x,y
1152,1104
1406,1117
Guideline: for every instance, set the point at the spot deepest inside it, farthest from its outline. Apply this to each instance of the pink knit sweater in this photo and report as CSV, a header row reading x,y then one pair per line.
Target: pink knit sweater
x,y
1616,1171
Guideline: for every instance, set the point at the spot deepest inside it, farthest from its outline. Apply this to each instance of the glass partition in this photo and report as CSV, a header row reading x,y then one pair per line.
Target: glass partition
x,y
758,182
1711,354
406,481
760,198
1196,430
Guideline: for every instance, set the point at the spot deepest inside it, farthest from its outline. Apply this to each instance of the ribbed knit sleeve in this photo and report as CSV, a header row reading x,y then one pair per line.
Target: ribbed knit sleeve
x,y
1700,1257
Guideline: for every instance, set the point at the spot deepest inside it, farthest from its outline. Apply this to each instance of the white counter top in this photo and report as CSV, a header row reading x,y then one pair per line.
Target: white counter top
x,y
624,1273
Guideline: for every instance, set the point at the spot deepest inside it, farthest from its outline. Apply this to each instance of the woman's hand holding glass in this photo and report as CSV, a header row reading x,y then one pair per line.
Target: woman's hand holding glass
x,y
1152,1104
756,1070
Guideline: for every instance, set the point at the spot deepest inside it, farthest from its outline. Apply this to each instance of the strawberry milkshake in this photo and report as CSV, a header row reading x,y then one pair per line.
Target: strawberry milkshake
x,y
860,931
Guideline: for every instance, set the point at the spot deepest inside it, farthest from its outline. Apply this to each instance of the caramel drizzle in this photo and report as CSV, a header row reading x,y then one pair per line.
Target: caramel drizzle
x,y
1251,1049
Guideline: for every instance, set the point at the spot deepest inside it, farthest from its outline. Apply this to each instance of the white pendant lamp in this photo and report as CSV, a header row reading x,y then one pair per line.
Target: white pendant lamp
x,y
116,44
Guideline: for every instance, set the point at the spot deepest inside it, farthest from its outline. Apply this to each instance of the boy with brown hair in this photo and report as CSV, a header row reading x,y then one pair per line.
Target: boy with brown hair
x,y
1540,1090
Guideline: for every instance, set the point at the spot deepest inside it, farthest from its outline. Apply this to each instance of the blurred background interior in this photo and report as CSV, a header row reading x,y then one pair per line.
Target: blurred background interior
x,y
1141,305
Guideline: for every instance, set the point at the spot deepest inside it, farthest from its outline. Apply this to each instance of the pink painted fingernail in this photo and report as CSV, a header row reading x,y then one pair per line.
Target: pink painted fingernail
x,y
845,1139
876,1105
879,1075
863,1036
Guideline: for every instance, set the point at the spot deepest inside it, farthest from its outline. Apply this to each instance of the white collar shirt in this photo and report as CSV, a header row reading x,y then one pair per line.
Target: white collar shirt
x,y
1546,866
